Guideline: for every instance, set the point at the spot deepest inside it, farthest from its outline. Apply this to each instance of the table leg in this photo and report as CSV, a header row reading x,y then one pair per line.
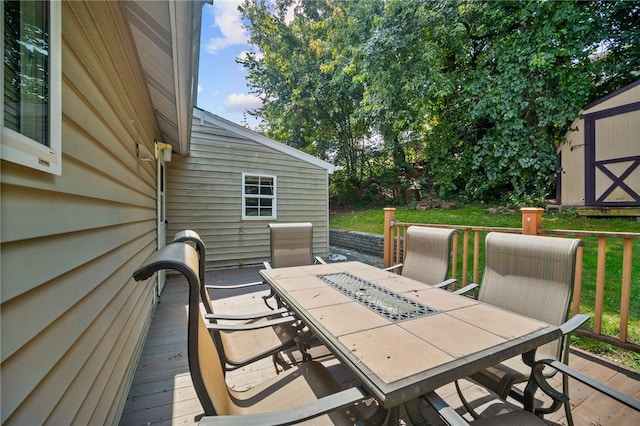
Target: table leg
x,y
414,413
393,416
382,416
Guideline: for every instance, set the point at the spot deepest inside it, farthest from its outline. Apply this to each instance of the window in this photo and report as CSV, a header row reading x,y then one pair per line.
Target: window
x,y
31,84
258,197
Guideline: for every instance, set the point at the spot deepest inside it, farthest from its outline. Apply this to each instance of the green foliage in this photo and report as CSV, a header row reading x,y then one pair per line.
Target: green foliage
x,y
470,98
309,101
518,200
525,86
341,190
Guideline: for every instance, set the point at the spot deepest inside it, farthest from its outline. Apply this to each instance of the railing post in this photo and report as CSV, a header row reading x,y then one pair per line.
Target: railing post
x,y
531,220
625,294
389,217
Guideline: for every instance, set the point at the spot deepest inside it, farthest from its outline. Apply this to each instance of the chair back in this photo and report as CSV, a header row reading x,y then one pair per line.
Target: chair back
x,y
205,367
193,237
428,251
530,275
291,244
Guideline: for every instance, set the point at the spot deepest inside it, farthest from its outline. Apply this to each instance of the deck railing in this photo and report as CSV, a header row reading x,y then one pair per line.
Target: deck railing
x,y
531,225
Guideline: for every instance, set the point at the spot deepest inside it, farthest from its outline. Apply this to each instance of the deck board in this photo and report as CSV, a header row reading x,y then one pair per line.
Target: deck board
x,y
162,392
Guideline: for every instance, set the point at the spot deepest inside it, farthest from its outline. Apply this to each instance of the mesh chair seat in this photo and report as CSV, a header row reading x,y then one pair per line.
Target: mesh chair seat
x,y
532,276
428,253
303,392
241,347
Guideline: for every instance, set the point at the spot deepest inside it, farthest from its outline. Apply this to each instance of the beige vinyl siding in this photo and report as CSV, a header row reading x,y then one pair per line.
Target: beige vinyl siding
x,y
573,166
72,317
206,189
616,137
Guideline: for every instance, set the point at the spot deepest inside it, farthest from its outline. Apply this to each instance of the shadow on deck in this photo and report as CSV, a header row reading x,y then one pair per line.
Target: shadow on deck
x,y
162,392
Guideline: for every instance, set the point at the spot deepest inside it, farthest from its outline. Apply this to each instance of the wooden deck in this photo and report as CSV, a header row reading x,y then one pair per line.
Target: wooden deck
x,y
162,392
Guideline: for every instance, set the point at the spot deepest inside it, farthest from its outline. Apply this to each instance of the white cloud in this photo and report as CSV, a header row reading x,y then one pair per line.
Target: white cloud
x,y
241,102
229,21
199,88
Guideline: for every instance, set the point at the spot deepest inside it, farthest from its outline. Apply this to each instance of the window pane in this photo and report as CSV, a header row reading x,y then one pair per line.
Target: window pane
x,y
266,190
259,196
252,180
26,68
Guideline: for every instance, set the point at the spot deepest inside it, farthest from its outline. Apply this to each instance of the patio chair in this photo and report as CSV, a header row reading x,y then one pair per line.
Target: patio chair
x,y
303,392
291,245
499,412
533,276
428,253
193,237
257,335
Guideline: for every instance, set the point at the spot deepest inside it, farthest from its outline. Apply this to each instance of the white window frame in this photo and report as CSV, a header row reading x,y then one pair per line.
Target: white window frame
x,y
21,149
272,197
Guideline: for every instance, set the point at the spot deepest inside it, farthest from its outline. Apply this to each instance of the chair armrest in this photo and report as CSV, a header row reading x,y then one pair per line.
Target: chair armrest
x,y
573,323
468,288
538,380
251,326
446,413
190,236
446,283
393,267
319,260
292,415
249,316
179,256
235,286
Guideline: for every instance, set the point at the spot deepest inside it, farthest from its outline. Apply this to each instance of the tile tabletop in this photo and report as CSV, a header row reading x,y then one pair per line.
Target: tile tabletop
x,y
398,360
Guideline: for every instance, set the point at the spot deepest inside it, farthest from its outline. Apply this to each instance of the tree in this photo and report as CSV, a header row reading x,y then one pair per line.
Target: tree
x,y
525,84
617,53
479,93
307,103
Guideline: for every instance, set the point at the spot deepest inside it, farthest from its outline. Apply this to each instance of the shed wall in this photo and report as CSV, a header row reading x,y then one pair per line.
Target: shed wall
x,y
73,320
616,135
205,195
572,187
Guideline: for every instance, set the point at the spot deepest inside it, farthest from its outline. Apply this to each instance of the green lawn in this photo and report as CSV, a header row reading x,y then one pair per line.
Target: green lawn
x,y
372,221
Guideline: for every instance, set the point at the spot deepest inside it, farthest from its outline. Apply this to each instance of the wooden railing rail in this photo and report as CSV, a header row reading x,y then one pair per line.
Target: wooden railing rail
x,y
531,224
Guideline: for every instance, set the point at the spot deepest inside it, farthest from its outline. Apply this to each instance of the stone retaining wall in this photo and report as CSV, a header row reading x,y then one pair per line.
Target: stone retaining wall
x,y
362,242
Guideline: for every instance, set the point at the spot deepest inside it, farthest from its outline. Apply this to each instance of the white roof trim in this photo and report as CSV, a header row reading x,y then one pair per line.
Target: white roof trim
x,y
170,29
239,130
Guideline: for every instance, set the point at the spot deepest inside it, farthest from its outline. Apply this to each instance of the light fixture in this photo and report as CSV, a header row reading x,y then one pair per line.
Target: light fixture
x,y
143,153
163,149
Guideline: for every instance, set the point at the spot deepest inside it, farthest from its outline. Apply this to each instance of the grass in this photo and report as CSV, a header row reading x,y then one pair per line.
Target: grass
x,y
372,221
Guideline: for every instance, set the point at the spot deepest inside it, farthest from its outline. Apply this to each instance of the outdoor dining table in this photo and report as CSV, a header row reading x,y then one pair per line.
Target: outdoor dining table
x,y
401,338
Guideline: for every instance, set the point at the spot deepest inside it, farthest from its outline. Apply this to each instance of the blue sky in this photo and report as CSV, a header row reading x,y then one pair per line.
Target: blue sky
x,y
222,88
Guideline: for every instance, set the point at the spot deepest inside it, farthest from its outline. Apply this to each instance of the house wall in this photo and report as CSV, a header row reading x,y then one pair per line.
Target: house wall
x,y
73,319
616,137
204,193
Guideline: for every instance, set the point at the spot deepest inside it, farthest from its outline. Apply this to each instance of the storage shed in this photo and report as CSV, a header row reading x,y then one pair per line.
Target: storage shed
x,y
235,182
601,160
